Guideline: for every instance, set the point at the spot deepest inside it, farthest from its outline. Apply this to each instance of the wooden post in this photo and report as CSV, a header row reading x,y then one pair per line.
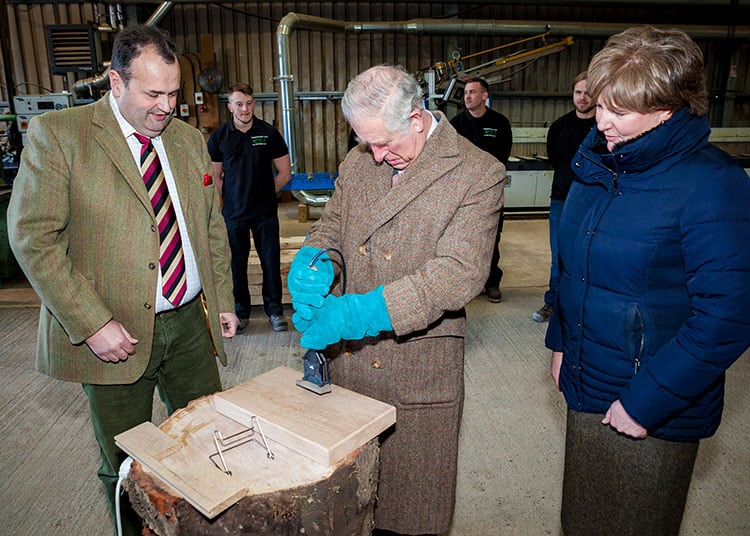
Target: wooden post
x,y
209,118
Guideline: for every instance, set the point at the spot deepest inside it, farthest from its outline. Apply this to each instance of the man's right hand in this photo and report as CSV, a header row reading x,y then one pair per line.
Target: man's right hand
x,y
112,343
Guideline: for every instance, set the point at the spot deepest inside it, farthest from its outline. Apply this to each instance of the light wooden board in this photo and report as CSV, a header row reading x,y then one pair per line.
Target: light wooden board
x,y
325,428
179,451
196,478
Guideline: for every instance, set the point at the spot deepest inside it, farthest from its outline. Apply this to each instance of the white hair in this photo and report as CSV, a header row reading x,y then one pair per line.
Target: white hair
x,y
386,92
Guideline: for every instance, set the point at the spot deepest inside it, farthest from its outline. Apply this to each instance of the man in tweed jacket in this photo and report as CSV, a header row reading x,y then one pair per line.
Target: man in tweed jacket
x,y
414,213
83,229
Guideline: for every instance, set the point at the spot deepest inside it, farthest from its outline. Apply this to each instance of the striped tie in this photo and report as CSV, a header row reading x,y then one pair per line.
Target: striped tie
x,y
171,257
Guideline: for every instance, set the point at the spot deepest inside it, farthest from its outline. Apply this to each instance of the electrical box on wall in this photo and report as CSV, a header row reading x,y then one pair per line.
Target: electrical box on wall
x,y
184,110
29,106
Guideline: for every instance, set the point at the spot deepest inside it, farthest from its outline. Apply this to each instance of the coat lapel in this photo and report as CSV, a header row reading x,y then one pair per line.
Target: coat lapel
x,y
108,136
439,157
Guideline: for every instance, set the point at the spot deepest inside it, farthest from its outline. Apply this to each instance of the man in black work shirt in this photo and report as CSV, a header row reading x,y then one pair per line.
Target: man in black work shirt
x,y
490,131
242,151
563,139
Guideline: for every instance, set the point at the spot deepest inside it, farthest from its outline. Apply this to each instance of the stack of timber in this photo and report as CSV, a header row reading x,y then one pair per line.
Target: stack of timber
x,y
289,248
322,479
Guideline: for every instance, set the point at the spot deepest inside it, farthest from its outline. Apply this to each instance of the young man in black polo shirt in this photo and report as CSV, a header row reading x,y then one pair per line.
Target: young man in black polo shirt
x,y
491,132
242,151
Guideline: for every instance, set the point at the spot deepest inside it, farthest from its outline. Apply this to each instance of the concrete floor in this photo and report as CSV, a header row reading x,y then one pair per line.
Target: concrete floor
x,y
511,441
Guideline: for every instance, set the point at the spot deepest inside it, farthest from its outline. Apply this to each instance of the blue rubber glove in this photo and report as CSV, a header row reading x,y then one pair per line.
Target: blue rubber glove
x,y
309,285
350,317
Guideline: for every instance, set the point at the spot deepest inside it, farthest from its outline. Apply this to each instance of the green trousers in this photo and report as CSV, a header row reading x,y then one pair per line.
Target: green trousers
x,y
182,367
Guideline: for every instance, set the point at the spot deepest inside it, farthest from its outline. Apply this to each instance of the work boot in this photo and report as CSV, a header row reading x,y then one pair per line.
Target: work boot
x,y
543,314
278,322
242,326
493,294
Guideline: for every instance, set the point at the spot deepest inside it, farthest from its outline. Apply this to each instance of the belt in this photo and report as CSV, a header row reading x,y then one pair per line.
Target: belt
x,y
180,307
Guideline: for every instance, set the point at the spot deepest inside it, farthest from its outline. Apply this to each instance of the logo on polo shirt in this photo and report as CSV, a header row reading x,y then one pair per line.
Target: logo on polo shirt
x,y
489,132
260,140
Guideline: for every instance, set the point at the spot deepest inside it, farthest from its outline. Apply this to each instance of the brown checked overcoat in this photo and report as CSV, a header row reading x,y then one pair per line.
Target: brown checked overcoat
x,y
82,228
428,240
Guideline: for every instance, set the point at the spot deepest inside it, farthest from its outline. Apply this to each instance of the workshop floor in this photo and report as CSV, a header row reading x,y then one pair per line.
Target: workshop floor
x,y
510,465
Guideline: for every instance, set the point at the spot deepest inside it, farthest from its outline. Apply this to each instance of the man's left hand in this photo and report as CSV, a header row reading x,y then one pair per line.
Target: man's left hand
x,y
229,323
349,317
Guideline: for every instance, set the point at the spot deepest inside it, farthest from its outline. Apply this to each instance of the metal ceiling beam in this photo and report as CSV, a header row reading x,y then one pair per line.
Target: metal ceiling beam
x,y
588,3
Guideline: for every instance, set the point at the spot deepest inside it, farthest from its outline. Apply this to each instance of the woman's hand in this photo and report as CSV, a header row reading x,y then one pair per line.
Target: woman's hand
x,y
554,368
620,420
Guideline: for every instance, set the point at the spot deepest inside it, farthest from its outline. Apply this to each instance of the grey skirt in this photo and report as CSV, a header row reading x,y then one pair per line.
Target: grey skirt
x,y
615,485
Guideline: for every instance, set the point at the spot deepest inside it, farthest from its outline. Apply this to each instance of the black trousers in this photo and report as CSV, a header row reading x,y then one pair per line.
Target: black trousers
x,y
266,238
496,273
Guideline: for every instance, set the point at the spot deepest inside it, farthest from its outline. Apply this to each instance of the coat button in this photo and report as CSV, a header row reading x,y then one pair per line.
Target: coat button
x,y
363,249
151,266
348,354
376,364
147,305
387,255
153,228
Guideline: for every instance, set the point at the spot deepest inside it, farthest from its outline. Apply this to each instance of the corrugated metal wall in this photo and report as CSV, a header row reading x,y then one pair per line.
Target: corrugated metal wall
x,y
244,39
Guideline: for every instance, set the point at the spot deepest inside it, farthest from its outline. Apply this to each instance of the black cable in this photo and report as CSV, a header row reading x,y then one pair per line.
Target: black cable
x,y
35,85
343,265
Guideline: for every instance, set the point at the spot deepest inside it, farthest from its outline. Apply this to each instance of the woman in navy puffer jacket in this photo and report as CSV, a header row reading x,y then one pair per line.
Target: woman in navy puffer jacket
x,y
654,299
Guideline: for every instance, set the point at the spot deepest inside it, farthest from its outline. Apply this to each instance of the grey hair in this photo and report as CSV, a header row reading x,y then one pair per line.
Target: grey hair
x,y
386,92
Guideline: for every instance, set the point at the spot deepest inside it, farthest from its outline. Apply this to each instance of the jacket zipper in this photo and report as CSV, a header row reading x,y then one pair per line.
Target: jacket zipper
x,y
615,174
643,343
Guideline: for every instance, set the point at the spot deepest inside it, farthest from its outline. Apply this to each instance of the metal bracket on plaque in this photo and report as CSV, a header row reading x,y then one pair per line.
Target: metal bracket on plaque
x,y
224,444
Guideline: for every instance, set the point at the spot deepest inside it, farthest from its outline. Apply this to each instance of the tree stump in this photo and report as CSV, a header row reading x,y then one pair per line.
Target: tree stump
x,y
288,495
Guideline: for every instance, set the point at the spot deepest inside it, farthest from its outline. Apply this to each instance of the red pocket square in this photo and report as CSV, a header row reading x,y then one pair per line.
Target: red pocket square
x,y
208,180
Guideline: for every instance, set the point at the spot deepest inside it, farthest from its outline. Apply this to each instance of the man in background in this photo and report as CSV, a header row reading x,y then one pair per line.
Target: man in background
x,y
115,223
491,132
563,138
243,151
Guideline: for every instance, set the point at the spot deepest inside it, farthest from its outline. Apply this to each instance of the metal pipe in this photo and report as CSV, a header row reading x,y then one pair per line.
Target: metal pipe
x,y
311,198
102,80
566,3
484,28
286,27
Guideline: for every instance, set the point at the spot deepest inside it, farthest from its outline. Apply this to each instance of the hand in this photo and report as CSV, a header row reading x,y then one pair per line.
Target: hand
x,y
303,315
229,323
310,284
555,366
112,343
350,317
620,420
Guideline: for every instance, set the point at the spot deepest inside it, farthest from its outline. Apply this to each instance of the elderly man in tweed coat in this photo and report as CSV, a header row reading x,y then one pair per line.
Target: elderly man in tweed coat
x,y
414,214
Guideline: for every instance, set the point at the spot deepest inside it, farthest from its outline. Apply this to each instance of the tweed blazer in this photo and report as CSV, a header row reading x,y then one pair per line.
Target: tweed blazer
x,y
82,228
429,241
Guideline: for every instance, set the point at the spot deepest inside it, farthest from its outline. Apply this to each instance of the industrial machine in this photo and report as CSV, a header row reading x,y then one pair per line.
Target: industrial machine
x,y
29,106
444,81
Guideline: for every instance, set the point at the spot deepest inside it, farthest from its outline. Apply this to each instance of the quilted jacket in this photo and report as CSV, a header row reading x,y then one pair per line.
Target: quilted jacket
x,y
654,300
